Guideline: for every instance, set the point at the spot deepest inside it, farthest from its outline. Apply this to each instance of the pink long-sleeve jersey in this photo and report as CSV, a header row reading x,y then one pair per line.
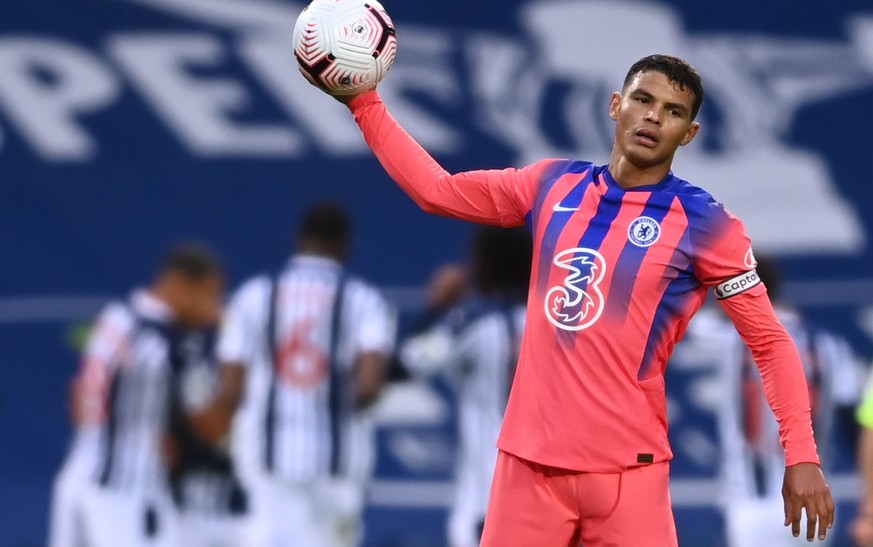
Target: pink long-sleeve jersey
x,y
617,274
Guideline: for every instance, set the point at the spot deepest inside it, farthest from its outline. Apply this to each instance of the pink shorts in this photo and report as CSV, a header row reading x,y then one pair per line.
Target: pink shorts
x,y
538,505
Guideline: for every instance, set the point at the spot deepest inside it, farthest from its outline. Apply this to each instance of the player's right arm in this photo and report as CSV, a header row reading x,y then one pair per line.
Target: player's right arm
x,y
500,197
106,346
237,349
374,335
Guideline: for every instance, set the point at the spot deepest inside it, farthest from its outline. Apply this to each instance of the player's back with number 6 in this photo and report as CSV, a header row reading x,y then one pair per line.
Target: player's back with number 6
x,y
303,353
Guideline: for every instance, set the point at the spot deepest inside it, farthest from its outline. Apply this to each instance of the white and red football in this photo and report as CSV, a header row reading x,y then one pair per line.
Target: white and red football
x,y
344,46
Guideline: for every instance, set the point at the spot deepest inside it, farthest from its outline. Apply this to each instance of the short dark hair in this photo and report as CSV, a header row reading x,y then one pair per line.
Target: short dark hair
x,y
501,260
676,70
193,260
326,222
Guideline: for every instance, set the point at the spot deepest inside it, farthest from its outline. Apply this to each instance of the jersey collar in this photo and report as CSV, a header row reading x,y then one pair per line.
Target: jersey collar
x,y
149,306
612,183
317,261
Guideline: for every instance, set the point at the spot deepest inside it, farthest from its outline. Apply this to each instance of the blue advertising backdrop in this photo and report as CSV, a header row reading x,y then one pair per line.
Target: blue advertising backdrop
x,y
126,125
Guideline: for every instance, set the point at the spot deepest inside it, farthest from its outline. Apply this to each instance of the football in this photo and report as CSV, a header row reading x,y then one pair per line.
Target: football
x,y
344,47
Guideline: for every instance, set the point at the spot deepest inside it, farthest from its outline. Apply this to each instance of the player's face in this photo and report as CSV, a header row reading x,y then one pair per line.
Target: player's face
x,y
653,119
203,301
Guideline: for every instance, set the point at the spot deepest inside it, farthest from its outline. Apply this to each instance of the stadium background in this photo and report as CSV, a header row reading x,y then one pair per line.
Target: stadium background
x,y
127,124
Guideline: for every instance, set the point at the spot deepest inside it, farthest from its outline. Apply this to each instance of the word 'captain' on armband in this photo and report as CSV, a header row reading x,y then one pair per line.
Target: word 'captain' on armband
x,y
737,285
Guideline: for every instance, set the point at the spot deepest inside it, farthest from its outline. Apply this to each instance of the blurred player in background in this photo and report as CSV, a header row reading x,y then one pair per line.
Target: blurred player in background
x,y
210,500
112,490
623,256
862,527
752,460
308,347
476,345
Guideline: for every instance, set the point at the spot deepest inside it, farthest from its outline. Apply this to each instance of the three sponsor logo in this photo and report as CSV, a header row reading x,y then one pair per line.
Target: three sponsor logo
x,y
577,303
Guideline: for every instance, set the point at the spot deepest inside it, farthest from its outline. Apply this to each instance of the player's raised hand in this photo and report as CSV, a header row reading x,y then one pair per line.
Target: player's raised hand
x,y
804,488
344,47
346,99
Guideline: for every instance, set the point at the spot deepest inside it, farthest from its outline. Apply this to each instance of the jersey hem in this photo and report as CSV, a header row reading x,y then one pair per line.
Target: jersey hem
x,y
557,463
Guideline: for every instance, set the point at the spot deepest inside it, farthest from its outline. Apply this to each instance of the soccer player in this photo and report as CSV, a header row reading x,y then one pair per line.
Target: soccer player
x,y
752,462
113,487
308,347
210,500
862,527
623,256
476,345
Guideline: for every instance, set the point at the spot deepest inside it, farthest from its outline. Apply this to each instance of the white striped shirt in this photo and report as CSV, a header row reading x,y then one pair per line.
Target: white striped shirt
x,y
124,386
477,347
754,461
300,430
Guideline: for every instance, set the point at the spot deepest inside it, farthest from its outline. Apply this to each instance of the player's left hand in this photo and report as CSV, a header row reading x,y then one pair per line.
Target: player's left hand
x,y
804,487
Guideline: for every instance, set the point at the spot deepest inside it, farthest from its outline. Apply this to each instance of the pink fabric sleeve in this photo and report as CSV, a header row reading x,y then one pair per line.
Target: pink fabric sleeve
x,y
781,370
502,197
723,248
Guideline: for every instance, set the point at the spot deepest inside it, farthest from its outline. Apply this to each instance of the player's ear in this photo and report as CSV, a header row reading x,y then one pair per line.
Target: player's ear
x,y
614,103
692,130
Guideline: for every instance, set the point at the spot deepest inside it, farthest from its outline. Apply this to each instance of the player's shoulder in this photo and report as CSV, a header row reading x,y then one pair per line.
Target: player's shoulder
x,y
698,203
562,166
116,314
254,289
357,282
573,165
114,322
261,282
362,290
554,168
691,193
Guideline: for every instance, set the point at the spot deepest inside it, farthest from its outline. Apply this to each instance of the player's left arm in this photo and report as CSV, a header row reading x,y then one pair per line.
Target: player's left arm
x,y
374,337
723,260
804,486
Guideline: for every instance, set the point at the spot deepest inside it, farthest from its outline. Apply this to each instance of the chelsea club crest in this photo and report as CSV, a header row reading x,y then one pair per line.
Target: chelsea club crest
x,y
644,231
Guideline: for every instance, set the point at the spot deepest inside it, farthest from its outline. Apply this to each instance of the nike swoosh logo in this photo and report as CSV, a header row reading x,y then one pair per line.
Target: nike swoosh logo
x,y
558,208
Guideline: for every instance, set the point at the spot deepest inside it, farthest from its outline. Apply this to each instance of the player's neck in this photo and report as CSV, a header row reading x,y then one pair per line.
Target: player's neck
x,y
628,175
